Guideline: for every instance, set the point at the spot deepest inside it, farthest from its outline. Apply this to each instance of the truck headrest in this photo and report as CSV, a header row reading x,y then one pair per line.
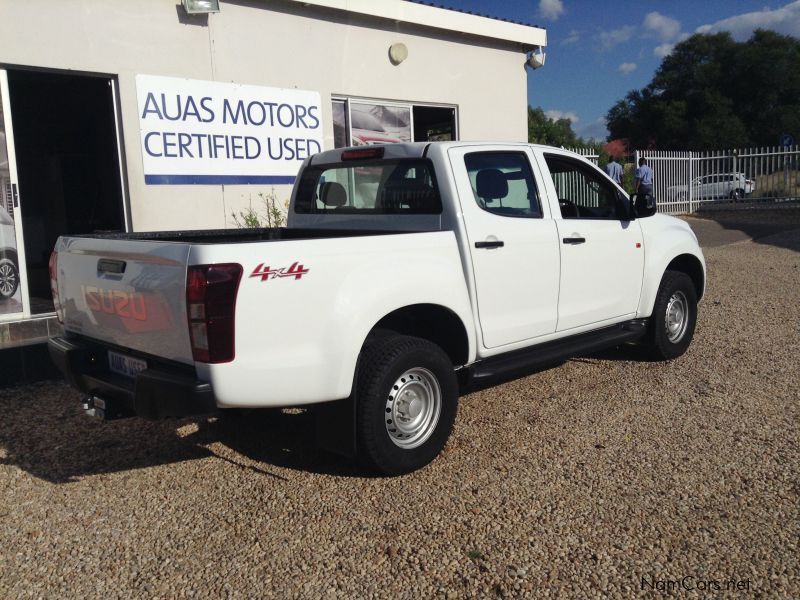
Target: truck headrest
x,y
491,184
333,194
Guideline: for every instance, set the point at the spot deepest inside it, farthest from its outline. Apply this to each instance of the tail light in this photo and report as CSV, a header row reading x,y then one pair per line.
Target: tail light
x,y
52,267
211,303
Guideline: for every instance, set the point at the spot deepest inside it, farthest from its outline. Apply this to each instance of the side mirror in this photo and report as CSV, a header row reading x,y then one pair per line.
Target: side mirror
x,y
644,205
625,209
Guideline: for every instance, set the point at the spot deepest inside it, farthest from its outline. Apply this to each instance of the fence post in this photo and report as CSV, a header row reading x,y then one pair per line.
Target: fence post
x,y
691,160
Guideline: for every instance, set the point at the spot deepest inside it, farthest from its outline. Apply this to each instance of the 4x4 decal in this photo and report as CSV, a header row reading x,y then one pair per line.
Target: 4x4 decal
x,y
266,272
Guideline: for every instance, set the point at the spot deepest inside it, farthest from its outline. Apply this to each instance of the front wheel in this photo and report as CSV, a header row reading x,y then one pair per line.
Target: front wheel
x,y
406,403
9,278
674,316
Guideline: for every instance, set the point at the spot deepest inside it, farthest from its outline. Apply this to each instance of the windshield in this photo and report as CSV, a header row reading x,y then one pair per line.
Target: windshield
x,y
370,187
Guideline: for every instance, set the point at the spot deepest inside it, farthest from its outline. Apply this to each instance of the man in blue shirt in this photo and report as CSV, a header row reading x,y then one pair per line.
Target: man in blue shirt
x,y
614,170
644,178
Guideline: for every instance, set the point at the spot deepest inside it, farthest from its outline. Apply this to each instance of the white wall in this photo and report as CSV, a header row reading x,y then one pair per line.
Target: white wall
x,y
275,43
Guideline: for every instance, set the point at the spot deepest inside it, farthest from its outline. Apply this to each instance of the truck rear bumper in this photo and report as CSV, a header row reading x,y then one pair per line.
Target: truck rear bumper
x,y
158,392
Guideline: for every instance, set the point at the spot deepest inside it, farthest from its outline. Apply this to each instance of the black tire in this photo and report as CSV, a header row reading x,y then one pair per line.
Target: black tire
x,y
383,363
666,344
9,277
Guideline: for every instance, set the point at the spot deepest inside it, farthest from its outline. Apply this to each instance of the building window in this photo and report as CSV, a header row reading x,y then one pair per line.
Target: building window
x,y
362,122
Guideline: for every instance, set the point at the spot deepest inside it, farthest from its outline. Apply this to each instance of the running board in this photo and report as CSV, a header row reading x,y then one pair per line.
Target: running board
x,y
552,352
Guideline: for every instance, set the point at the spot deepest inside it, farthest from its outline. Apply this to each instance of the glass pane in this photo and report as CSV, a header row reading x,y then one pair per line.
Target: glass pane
x,y
582,192
10,294
502,183
339,110
379,124
390,187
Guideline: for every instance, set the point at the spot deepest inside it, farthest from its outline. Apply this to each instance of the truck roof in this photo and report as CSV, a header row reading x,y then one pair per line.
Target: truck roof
x,y
416,149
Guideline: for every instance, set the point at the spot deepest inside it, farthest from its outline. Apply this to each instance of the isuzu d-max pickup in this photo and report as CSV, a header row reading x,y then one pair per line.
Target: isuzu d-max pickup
x,y
406,272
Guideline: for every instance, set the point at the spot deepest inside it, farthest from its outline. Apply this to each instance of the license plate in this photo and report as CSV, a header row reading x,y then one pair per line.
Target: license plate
x,y
125,365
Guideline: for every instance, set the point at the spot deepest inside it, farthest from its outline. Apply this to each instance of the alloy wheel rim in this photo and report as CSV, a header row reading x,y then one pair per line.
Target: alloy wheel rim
x,y
8,279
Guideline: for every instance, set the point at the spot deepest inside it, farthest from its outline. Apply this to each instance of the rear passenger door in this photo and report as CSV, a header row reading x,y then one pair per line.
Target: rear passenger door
x,y
513,243
602,256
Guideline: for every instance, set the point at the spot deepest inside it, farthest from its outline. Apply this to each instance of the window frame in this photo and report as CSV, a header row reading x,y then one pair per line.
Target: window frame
x,y
347,100
586,169
427,162
528,161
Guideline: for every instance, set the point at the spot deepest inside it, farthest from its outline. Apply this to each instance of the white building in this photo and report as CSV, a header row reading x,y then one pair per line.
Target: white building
x,y
137,115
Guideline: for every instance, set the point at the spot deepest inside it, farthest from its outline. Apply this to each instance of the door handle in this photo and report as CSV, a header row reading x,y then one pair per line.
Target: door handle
x,y
15,194
574,240
491,244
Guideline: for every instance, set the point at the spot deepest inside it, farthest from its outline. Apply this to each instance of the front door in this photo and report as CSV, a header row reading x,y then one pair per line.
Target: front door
x,y
602,255
13,286
65,174
513,243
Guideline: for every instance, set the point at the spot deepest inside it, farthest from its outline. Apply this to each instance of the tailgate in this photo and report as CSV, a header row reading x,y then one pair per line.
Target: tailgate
x,y
126,292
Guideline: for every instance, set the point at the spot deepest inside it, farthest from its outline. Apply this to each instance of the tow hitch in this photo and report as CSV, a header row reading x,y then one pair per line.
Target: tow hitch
x,y
105,409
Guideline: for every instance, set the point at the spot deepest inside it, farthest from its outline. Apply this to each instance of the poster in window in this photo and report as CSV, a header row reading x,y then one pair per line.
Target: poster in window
x,y
379,124
10,294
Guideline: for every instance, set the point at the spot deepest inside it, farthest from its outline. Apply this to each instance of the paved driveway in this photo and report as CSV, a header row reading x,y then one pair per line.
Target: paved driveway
x,y
721,228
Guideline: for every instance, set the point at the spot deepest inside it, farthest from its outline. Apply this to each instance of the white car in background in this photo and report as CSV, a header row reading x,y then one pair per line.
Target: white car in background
x,y
9,271
734,186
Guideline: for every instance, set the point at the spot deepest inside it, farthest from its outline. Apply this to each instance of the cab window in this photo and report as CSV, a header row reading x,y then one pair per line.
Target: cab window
x,y
502,183
583,193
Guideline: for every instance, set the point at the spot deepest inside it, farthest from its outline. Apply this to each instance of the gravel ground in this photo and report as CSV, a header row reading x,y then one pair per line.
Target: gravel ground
x,y
598,478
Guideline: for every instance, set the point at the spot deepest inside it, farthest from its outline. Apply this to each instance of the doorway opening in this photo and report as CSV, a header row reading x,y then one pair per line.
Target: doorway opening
x,y
65,137
434,124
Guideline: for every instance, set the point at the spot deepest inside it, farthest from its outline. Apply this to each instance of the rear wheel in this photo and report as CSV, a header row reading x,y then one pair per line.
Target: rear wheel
x,y
406,403
674,316
9,278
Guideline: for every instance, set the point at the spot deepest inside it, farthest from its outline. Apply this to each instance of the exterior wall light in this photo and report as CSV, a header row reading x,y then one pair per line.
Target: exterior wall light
x,y
200,7
398,53
535,59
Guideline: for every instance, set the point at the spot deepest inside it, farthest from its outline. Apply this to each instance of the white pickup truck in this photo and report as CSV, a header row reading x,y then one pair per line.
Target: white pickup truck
x,y
406,272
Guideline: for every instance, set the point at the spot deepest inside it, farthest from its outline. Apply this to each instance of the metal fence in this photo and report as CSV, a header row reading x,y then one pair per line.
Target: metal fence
x,y
685,182
573,184
588,153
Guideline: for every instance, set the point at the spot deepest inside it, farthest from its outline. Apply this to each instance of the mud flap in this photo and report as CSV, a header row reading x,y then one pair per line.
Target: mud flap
x,y
335,425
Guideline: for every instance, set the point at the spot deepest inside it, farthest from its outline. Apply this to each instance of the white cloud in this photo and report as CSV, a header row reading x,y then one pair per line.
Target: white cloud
x,y
617,36
596,130
551,9
663,27
626,68
571,38
663,50
560,114
784,20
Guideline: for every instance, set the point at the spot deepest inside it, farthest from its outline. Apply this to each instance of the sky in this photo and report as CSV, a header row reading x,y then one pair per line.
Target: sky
x,y
597,51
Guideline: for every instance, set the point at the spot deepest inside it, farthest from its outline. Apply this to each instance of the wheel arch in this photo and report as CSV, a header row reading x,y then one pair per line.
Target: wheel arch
x,y
11,254
433,322
691,265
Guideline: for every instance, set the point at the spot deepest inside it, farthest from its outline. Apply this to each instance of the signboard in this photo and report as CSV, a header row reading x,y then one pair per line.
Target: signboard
x,y
208,132
787,140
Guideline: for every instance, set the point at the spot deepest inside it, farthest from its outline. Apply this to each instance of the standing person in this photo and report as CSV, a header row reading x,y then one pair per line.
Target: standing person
x,y
644,178
614,170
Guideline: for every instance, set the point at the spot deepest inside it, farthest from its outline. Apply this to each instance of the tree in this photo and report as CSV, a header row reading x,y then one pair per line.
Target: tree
x,y
714,92
544,130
